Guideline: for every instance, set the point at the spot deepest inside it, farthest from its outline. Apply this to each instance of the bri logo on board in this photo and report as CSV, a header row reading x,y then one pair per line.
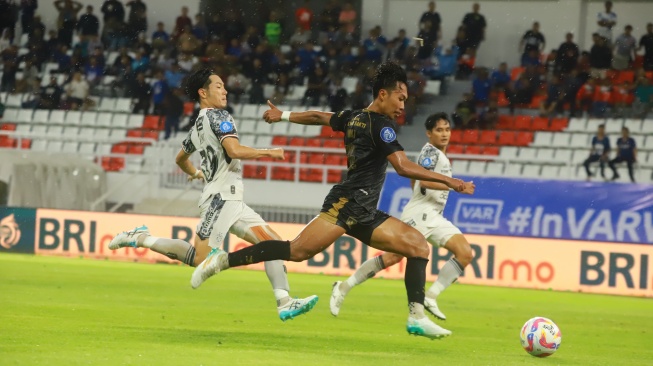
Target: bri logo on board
x,y
9,232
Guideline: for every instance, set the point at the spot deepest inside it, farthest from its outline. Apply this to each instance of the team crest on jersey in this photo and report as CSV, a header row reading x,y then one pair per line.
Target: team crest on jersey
x,y
426,163
226,126
388,134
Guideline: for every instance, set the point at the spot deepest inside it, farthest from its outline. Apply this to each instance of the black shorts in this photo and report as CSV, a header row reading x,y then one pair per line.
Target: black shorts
x,y
357,220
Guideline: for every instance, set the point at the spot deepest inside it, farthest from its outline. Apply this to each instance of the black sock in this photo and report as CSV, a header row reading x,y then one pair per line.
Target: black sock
x,y
264,251
415,279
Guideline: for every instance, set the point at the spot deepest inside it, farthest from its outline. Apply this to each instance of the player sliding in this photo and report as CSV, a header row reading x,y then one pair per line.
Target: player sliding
x,y
350,207
424,213
215,137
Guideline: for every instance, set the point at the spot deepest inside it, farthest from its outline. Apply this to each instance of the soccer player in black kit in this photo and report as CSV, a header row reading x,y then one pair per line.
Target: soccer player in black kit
x,y
350,206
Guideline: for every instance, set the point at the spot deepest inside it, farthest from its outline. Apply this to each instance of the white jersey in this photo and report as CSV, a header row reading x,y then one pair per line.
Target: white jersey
x,y
424,202
606,32
223,175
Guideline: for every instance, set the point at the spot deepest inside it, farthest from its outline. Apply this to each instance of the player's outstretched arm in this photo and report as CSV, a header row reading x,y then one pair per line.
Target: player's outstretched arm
x,y
406,168
273,115
187,166
237,151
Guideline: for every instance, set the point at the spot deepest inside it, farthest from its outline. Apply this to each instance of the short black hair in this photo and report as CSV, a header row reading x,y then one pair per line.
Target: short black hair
x,y
198,80
601,126
387,75
433,119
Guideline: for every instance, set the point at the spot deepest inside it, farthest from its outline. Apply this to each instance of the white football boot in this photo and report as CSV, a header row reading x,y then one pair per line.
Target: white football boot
x,y
432,307
426,328
337,297
210,266
128,238
296,307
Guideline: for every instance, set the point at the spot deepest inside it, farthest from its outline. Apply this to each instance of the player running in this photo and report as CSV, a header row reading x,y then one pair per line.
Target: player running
x,y
350,206
424,213
215,137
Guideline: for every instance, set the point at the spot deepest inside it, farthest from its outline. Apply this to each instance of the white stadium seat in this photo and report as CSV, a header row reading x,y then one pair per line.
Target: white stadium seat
x,y
119,120
41,116
494,168
70,147
531,171
513,170
73,117
634,125
579,140
103,119
89,118
545,155
542,139
123,105
527,154
135,121
562,156
57,116
476,168
593,124
561,139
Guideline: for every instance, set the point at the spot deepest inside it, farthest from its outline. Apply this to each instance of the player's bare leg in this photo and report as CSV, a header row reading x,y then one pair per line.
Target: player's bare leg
x,y
449,273
397,237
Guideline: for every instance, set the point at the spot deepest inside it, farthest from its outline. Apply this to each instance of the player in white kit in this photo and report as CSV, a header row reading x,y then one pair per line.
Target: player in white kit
x,y
215,138
424,213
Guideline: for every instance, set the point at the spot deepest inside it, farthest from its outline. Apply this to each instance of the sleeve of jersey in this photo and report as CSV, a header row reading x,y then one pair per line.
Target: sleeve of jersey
x,y
428,158
339,120
187,144
222,124
385,137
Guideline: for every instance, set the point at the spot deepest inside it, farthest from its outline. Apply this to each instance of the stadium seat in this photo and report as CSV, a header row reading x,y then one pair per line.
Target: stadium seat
x,y
103,119
545,155
14,100
559,124
634,125
296,141
508,138
455,149
561,139
531,171
647,127
55,130
88,118
470,136
246,126
135,133
491,150
593,124
550,172
540,124
123,105
543,138
333,143
153,122
474,150
527,154
8,127
120,148
295,129
494,168
135,149
134,121
515,72
280,128
513,170
488,138
283,173
508,152
329,133
70,147
107,105
506,122
39,130
312,130
279,140
523,122
316,158
7,142
87,148
24,116
613,125
151,135
41,116
313,142
562,156
119,120
476,168
334,176
579,156
524,138
54,146
250,111
456,136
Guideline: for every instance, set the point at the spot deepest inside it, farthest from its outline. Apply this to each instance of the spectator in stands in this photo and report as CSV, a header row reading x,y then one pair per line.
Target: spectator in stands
x,y
114,17
137,18
160,37
532,58
259,78
215,27
481,87
304,16
337,95
554,102
328,20
374,45
142,92
415,87
88,25
466,64
273,29
27,10
622,98
626,152
643,102
187,43
427,44
316,87
532,40
500,78
30,73
37,24
233,27
281,89
199,29
606,21
646,42
10,67
399,45
141,45
237,84
489,117
35,92
602,99
360,99
175,75
124,76
347,18
94,72
67,20
9,16
572,86
300,37
475,25
465,116
77,91
183,23
599,152
433,17
5,39
568,54
520,92
50,97
624,49
600,57
160,90
550,68
174,109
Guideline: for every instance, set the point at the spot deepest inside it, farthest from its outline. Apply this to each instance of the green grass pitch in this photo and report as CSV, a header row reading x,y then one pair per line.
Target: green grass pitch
x,y
69,311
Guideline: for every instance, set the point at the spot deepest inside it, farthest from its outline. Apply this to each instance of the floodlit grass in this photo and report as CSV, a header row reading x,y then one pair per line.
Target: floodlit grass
x,y
63,311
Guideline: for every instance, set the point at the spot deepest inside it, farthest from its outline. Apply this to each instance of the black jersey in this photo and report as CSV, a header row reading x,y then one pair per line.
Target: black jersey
x,y
369,138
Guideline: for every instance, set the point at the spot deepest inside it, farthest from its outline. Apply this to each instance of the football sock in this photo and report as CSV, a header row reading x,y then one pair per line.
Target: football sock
x,y
264,251
172,248
367,270
448,275
414,279
276,272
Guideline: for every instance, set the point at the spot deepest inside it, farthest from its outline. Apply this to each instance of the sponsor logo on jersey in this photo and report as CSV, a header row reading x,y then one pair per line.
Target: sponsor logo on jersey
x,y
426,163
9,232
388,134
226,126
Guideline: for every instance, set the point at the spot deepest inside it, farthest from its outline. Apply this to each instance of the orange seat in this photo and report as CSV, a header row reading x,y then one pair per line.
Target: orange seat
x,y
536,101
474,150
488,138
189,107
135,133
456,136
313,142
153,123
283,173
524,138
310,175
515,72
491,150
507,138
559,124
328,132
151,135
333,160
502,101
316,158
297,141
506,122
6,141
625,76
455,149
120,148
612,75
249,171
280,140
261,172
289,156
135,149
332,143
8,127
334,176
106,163
523,122
540,124
470,137
25,144
116,164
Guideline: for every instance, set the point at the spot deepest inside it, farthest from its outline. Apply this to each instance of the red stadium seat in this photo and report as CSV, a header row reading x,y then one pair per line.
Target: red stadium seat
x,y
310,175
135,133
456,136
328,132
106,163
8,127
333,160
515,72
625,76
536,101
524,138
25,144
333,143
151,135
116,164
488,138
313,142
119,148
135,149
189,107
7,142
540,124
249,171
506,122
297,141
502,101
474,150
316,158
456,149
523,122
491,150
289,156
280,140
261,172
470,136
507,138
283,173
334,176
153,123
559,124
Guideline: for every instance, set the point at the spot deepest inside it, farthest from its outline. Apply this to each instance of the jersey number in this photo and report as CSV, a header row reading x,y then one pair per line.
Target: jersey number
x,y
209,163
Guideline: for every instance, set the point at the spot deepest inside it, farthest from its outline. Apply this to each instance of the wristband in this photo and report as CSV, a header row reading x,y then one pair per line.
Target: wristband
x,y
197,173
285,116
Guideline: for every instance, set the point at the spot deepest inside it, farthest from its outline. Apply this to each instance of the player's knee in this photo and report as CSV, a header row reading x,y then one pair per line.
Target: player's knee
x,y
299,253
464,253
390,259
415,244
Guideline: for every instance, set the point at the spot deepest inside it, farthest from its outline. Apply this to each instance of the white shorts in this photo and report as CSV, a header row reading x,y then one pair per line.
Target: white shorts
x,y
434,227
219,217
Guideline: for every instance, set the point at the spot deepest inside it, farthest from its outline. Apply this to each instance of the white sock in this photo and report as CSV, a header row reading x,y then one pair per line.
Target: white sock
x,y
282,297
367,270
448,275
416,310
